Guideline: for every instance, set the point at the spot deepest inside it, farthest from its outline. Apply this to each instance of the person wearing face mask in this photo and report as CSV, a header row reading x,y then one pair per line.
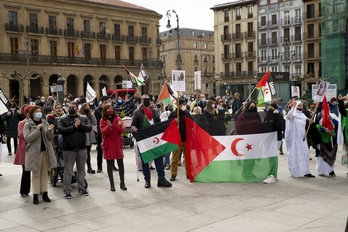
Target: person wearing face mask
x,y
11,119
90,136
138,122
182,129
273,121
249,121
73,127
164,117
202,102
39,155
112,128
296,142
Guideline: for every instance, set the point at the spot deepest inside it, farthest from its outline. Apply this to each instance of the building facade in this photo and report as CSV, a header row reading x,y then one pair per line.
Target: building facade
x,y
235,39
196,53
84,41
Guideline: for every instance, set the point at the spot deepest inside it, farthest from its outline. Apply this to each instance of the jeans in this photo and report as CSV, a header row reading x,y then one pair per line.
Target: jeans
x,y
159,168
70,157
167,158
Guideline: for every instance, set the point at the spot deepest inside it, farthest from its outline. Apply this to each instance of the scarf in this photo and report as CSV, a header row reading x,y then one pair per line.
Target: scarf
x,y
148,112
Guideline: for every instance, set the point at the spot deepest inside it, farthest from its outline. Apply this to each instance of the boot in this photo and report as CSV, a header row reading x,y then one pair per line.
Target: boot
x,y
112,186
123,186
45,197
35,199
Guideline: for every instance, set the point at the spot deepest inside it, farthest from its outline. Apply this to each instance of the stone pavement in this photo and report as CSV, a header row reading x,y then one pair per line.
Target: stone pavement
x,y
301,205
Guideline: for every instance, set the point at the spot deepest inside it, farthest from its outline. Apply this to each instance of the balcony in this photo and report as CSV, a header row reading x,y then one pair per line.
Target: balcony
x,y
65,60
226,37
250,15
274,41
131,39
226,56
249,35
158,42
263,42
144,40
53,31
237,36
263,25
238,55
286,22
87,35
297,20
238,74
311,56
296,38
272,24
250,55
103,36
71,33
311,36
262,60
35,30
315,15
285,39
118,38
14,27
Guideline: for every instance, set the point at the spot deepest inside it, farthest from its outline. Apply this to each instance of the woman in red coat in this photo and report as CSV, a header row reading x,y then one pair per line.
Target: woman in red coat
x,y
111,127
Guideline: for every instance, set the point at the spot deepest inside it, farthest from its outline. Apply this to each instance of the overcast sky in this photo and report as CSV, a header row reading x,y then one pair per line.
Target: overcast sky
x,y
192,13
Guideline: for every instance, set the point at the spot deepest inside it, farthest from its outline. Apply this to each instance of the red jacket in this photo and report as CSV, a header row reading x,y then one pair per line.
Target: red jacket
x,y
112,141
20,152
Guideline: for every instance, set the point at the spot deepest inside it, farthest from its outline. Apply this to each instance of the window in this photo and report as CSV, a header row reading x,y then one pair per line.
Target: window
x,y
117,30
238,14
117,53
102,27
263,55
238,30
131,30
250,68
238,69
194,44
226,51
274,37
250,11
103,52
70,24
192,33
310,11
131,53
298,54
286,17
12,18
52,22
263,39
310,30
250,47
14,45
274,69
298,70
286,35
263,20
250,28
144,53
298,33
274,54
86,26
226,16
33,23
238,49
227,69
298,17
205,45
71,50
87,51
34,46
310,68
310,50
274,19
144,32
53,48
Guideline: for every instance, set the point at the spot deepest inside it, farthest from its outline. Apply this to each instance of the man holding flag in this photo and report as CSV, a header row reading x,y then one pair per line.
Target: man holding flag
x,y
142,117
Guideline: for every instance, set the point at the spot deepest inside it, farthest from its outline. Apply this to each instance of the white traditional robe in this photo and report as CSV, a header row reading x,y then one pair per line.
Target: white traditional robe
x,y
296,143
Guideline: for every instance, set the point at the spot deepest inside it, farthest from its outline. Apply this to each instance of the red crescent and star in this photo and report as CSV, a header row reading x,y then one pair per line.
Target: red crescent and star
x,y
234,147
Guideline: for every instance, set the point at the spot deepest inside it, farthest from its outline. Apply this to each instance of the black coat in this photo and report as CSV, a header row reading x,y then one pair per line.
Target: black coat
x,y
273,122
138,118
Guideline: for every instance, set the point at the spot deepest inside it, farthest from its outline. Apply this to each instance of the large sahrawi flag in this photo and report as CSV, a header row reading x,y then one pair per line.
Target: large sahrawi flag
x,y
237,158
156,140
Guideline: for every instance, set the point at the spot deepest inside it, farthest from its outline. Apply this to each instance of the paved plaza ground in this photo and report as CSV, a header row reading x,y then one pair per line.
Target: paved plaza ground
x,y
301,205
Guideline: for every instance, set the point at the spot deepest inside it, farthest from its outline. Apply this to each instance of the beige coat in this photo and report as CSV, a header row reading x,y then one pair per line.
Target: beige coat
x,y
33,138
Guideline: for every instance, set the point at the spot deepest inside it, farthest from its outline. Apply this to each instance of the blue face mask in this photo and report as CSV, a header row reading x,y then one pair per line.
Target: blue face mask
x,y
38,115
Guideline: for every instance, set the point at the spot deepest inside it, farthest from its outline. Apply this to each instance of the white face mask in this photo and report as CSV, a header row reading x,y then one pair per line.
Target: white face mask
x,y
183,108
213,106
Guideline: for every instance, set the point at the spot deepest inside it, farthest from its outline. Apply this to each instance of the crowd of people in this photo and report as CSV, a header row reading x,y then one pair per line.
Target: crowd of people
x,y
41,129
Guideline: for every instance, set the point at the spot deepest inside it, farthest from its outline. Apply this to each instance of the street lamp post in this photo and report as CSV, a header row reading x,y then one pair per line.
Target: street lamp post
x,y
169,15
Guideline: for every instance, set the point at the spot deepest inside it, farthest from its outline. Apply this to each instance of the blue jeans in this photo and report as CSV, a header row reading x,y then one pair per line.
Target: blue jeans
x,y
159,168
167,158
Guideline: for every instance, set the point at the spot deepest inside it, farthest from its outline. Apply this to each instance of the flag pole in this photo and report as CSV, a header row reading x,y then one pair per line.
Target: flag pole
x,y
177,107
315,110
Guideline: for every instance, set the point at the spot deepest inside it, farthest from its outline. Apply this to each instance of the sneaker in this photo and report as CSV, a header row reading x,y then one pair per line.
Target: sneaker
x,y
83,192
168,167
67,195
269,180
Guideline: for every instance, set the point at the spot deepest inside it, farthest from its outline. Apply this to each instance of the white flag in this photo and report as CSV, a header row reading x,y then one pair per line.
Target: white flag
x,y
90,93
104,91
